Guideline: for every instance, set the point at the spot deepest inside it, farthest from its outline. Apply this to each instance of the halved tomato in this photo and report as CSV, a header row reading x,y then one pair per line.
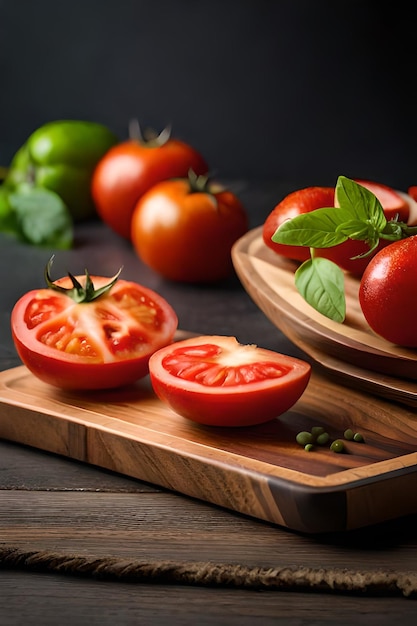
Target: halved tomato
x,y
217,381
95,336
394,203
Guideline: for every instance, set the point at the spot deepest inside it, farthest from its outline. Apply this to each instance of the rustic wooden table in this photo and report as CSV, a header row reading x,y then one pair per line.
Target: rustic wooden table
x,y
53,505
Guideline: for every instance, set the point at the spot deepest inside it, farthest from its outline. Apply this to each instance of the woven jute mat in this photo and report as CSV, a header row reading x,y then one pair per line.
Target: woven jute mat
x,y
320,580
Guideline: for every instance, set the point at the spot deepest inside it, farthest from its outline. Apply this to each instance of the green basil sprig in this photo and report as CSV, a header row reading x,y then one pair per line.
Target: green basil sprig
x,y
358,215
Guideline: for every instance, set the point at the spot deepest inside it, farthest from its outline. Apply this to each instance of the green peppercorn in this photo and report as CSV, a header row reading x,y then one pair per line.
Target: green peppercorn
x,y
316,431
358,437
348,434
304,437
337,446
308,447
323,438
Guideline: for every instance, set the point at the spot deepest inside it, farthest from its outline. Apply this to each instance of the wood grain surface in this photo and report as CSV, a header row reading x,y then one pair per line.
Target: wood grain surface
x,y
52,503
269,280
259,471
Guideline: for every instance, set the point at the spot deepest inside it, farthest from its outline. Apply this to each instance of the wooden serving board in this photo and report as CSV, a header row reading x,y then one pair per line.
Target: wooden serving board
x,y
259,471
269,280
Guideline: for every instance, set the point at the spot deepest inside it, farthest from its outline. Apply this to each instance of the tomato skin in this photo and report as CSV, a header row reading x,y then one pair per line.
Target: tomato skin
x,y
296,203
312,198
131,168
412,191
215,381
102,344
187,236
388,293
344,255
394,204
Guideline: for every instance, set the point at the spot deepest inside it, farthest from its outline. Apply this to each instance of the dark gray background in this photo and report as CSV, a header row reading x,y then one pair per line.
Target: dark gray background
x,y
292,90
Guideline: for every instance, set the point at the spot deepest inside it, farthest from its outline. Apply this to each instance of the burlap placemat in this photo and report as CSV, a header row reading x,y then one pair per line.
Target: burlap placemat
x,y
321,580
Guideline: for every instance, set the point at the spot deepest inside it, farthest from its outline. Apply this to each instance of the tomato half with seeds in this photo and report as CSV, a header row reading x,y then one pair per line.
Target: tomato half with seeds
x,y
91,334
216,381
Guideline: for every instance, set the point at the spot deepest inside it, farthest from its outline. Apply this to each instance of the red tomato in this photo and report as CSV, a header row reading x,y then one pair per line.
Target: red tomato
x,y
96,344
296,203
388,294
394,204
344,255
132,167
216,381
185,229
412,201
412,191
312,198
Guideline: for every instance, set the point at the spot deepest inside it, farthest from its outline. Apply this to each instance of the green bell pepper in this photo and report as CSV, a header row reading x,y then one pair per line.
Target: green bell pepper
x,y
61,156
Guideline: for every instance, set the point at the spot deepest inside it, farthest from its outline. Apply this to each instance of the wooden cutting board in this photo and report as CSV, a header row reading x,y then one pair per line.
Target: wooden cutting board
x,y
259,471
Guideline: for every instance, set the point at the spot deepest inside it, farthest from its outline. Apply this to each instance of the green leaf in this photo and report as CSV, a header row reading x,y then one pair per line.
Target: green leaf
x,y
322,284
7,215
317,229
361,203
355,229
43,218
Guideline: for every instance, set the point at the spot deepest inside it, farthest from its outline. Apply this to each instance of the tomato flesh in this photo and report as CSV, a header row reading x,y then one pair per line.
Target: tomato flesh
x,y
91,345
216,381
394,204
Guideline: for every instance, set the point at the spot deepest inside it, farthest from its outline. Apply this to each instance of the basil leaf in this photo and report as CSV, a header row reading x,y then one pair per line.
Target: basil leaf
x,y
397,230
7,216
317,229
322,284
42,218
355,229
361,203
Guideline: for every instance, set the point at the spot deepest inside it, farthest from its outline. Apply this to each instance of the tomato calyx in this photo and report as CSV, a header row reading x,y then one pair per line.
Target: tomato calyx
x,y
201,183
149,138
78,292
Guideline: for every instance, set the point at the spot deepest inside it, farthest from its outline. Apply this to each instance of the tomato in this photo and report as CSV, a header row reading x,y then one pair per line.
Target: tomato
x,y
131,168
412,191
97,344
388,293
412,201
184,229
296,203
311,198
216,381
395,205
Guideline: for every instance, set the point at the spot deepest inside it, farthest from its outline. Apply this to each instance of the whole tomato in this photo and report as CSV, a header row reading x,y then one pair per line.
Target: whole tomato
x,y
131,168
90,332
296,203
184,229
388,293
217,381
312,198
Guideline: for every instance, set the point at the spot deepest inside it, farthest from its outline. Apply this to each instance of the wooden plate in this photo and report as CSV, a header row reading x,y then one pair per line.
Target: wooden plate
x,y
269,280
259,471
